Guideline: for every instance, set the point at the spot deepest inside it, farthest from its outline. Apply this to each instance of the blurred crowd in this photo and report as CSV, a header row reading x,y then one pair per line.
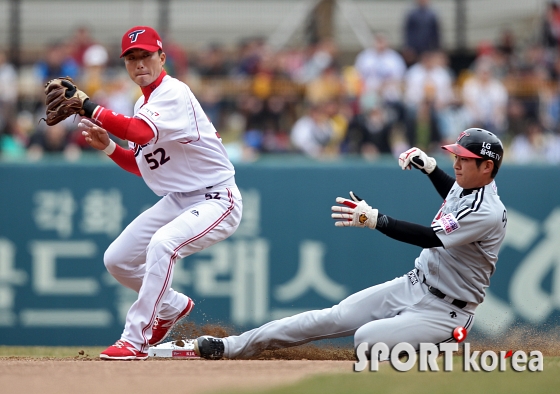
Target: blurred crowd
x,y
306,100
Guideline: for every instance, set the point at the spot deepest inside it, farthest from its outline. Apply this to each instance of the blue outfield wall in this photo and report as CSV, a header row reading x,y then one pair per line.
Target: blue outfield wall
x,y
56,220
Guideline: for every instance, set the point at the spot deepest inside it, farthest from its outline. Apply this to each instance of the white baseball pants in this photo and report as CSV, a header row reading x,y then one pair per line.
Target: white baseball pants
x,y
143,256
400,310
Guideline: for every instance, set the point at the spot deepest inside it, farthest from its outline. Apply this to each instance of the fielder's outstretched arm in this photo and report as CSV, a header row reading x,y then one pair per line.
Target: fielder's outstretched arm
x,y
132,129
124,127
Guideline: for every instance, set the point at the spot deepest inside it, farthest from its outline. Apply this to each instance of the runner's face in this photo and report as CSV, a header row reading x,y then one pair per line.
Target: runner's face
x,y
143,66
469,175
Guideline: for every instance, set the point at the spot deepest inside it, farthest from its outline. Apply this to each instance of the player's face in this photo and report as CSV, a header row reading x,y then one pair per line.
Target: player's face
x,y
469,175
144,67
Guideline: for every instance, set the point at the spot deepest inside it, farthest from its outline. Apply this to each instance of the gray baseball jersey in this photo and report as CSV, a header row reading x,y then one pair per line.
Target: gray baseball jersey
x,y
471,229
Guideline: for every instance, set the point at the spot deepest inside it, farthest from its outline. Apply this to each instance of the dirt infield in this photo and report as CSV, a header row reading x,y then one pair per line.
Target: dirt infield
x,y
86,374
56,376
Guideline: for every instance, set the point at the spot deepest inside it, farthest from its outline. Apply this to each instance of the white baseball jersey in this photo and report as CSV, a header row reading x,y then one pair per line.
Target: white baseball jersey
x,y
471,229
186,163
186,153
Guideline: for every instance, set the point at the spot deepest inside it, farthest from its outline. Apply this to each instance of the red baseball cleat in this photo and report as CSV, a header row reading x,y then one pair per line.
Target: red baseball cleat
x,y
162,328
122,350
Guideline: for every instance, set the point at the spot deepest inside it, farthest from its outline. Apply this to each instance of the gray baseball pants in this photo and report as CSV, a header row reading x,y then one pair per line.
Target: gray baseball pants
x,y
400,310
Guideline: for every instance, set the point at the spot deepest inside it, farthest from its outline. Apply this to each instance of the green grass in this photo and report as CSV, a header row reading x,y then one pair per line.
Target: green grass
x,y
48,351
387,380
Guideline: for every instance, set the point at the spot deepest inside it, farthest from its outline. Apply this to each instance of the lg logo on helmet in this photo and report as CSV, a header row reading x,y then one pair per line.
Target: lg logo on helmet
x,y
487,151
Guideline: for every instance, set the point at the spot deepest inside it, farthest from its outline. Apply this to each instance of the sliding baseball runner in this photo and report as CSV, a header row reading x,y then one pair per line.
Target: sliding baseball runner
x,y
459,254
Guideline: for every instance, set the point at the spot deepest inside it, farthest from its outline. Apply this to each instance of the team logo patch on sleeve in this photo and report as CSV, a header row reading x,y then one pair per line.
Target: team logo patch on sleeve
x,y
412,277
148,112
449,223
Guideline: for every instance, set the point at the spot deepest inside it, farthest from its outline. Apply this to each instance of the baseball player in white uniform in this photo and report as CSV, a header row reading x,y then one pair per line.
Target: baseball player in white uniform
x,y
177,151
460,250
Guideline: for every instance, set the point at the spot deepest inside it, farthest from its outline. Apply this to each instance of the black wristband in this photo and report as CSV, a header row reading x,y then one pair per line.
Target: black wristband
x,y
88,107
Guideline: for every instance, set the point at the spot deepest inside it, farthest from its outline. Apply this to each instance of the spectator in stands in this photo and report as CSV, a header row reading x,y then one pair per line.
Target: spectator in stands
x,y
15,135
339,114
453,117
421,31
118,93
312,132
504,55
382,71
502,63
176,61
250,52
79,43
534,145
57,62
266,72
369,131
252,109
267,123
549,101
290,62
213,65
212,62
8,92
532,60
52,139
517,119
326,87
428,90
485,98
532,68
276,138
211,101
94,67
550,35
506,42
321,56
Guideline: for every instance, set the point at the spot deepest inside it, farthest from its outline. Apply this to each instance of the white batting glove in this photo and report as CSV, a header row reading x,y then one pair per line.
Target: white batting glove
x,y
417,158
354,213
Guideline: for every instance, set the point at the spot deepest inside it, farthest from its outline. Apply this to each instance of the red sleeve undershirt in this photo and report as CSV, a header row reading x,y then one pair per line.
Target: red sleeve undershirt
x,y
125,159
126,128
